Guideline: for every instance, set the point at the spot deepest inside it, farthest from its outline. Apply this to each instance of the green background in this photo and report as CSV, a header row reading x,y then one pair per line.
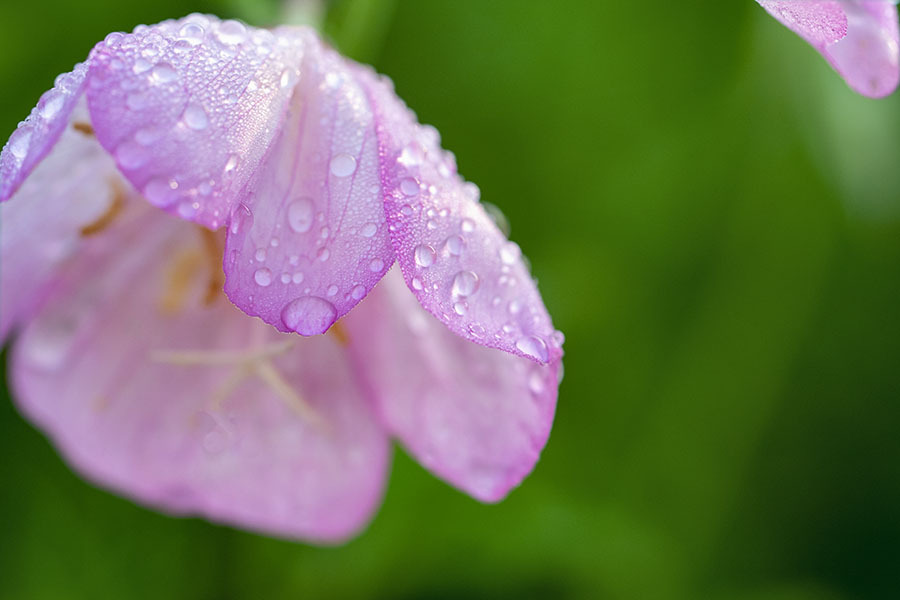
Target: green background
x,y
714,218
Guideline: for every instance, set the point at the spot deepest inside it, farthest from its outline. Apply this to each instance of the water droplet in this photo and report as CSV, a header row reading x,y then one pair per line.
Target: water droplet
x,y
461,307
285,278
409,186
297,277
131,155
424,256
309,315
141,66
454,245
536,383
417,284
342,165
323,254
195,117
377,265
51,104
497,217
412,155
260,254
358,292
147,135
465,283
475,330
467,225
287,78
231,32
558,339
332,290
324,232
300,215
163,73
263,277
368,230
510,253
192,33
19,142
514,307
534,347
159,191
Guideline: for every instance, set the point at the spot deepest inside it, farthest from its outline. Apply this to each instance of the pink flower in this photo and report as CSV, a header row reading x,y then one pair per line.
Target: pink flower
x,y
858,38
311,178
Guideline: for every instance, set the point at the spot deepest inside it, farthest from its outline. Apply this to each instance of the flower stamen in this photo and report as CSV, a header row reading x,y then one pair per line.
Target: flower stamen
x,y
84,128
213,250
109,216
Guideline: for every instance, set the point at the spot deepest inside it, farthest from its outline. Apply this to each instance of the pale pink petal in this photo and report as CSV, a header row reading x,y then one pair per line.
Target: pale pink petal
x,y
859,38
310,241
37,134
124,369
190,107
475,416
42,226
456,261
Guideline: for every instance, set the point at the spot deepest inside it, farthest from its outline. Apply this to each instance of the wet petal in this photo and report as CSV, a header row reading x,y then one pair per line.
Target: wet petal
x,y
455,260
310,241
37,134
475,416
133,376
41,227
858,37
189,108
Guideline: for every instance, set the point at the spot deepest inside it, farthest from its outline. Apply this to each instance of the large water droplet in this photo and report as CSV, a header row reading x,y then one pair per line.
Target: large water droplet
x,y
163,73
342,165
465,283
192,33
141,65
19,142
300,215
241,219
358,292
131,155
376,265
534,347
510,253
51,104
409,186
454,245
424,256
263,277
323,254
309,315
195,117
467,225
368,230
231,32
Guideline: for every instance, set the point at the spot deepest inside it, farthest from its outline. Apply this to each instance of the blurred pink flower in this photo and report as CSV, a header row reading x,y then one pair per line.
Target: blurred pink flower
x,y
311,178
859,38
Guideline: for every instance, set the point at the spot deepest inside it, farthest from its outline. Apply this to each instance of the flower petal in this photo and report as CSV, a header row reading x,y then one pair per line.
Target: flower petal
x,y
195,408
37,134
858,37
475,416
43,224
456,261
190,107
311,239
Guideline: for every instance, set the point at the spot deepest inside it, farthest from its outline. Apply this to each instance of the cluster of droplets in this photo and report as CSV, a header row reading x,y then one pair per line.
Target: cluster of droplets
x,y
455,238
167,68
35,135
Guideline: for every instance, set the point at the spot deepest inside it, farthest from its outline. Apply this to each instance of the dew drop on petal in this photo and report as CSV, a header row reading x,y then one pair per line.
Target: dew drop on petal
x,y
192,33
323,254
163,73
241,218
368,230
536,383
260,254
417,284
332,290
231,32
309,315
534,347
263,277
424,256
342,165
461,307
510,253
300,215
51,103
19,142
465,283
358,292
467,226
131,155
376,265
454,245
409,187
195,117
